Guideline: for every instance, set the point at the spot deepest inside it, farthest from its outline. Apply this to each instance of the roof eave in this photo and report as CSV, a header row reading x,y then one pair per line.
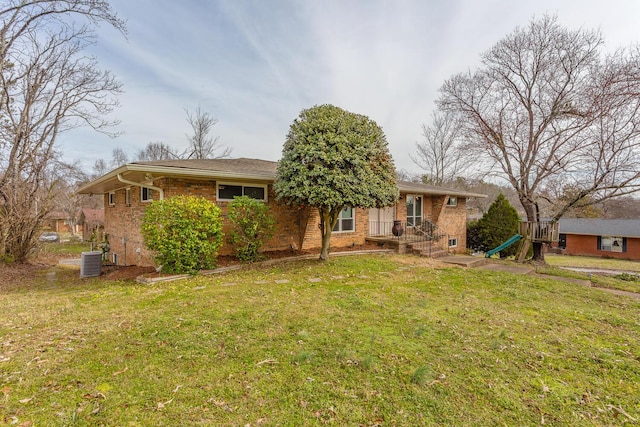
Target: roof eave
x,y
407,188
171,171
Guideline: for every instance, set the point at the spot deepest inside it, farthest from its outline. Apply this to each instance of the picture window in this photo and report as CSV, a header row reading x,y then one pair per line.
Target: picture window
x,y
226,191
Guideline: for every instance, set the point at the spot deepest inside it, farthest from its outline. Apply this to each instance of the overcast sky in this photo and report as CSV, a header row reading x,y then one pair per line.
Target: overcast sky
x,y
254,65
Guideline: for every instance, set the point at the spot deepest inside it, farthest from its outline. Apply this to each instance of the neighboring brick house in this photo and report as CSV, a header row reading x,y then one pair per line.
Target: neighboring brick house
x,y
57,221
128,190
92,224
614,238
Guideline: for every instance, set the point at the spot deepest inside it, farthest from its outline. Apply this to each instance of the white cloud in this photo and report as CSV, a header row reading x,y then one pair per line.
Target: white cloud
x,y
256,65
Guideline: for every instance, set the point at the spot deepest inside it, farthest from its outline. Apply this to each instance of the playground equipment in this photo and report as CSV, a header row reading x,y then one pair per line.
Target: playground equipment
x,y
504,245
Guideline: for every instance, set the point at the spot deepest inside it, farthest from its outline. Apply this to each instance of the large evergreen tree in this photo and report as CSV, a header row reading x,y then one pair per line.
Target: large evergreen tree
x,y
496,226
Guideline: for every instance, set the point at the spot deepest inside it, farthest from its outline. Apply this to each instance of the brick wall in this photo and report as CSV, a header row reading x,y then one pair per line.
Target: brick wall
x,y
296,228
453,221
313,236
578,244
123,222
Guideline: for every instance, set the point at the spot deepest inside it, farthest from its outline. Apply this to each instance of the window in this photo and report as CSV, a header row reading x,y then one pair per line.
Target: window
x,y
452,201
226,192
346,221
127,197
612,244
453,243
414,210
146,194
112,199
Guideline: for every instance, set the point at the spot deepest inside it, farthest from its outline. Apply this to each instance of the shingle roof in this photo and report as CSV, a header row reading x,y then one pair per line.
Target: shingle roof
x,y
241,165
600,227
240,169
93,215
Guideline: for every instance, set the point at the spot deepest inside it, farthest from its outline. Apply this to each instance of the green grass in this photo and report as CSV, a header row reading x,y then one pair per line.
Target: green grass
x,y
591,262
378,340
629,282
66,248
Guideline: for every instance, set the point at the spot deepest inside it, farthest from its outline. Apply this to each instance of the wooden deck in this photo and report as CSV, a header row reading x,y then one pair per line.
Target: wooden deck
x,y
543,231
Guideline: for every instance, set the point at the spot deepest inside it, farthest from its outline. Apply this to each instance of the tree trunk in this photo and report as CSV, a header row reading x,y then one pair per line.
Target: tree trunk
x,y
326,241
328,219
538,253
533,215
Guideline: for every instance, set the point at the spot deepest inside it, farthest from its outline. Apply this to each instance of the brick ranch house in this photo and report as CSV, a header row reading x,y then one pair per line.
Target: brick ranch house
x,y
613,238
128,189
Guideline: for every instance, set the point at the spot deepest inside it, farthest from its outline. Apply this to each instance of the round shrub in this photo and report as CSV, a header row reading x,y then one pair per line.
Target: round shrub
x,y
251,226
184,232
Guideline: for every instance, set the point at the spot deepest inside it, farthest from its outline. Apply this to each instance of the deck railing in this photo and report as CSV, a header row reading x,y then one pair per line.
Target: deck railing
x,y
425,232
542,231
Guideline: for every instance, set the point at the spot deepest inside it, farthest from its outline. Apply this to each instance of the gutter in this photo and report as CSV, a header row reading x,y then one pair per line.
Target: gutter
x,y
173,171
139,184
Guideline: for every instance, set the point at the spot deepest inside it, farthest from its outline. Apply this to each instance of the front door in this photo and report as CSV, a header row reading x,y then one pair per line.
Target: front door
x,y
381,220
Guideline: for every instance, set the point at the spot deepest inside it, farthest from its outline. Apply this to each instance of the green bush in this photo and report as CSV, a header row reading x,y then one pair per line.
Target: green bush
x,y
495,227
252,225
475,239
185,232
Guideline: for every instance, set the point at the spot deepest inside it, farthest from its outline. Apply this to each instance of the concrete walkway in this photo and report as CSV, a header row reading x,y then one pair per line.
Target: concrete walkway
x,y
468,261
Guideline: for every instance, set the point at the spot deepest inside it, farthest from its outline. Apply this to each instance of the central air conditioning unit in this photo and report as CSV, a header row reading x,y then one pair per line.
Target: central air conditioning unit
x,y
90,264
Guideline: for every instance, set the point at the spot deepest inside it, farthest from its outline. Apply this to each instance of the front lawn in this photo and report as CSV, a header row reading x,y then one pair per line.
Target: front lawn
x,y
591,262
359,341
627,280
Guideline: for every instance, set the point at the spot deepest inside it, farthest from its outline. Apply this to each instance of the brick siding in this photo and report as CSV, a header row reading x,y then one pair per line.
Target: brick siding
x,y
578,244
296,228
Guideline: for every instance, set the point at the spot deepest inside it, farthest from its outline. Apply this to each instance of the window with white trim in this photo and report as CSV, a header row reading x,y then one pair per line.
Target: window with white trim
x,y
227,191
127,197
112,198
453,242
146,194
346,221
452,201
612,244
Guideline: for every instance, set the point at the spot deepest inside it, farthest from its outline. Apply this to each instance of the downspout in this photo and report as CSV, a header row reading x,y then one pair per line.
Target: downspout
x,y
139,184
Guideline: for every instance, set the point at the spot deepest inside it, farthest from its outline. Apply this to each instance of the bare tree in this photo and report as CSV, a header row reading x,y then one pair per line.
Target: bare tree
x,y
118,157
156,151
409,176
622,207
201,144
47,86
99,168
65,199
546,104
440,154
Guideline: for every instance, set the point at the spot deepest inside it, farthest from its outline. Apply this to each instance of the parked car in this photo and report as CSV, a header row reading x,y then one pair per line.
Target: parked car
x,y
49,236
